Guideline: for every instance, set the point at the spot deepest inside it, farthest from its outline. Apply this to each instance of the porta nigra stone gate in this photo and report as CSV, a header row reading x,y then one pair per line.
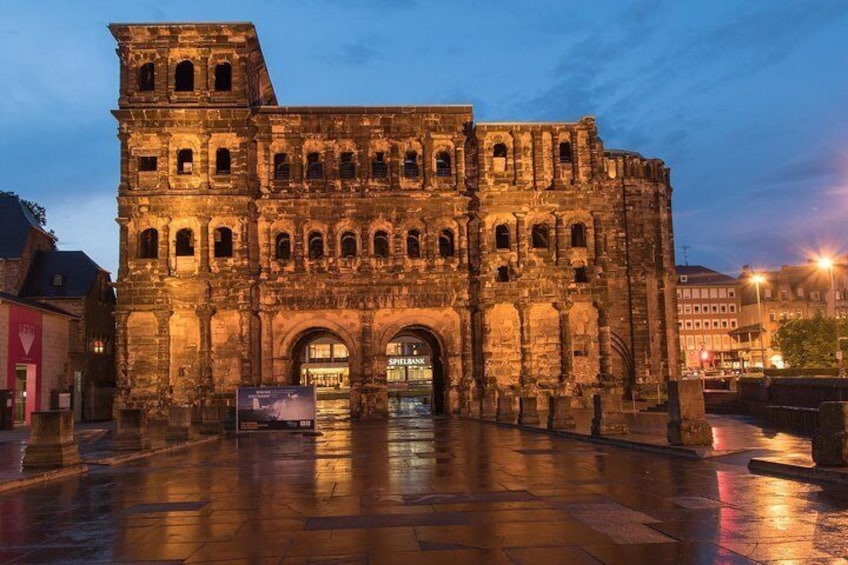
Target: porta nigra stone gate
x,y
527,256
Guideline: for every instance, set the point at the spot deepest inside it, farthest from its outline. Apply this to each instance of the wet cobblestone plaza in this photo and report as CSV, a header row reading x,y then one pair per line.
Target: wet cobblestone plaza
x,y
422,490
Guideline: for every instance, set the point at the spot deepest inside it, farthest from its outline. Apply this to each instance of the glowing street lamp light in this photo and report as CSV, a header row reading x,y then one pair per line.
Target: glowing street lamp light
x,y
827,264
757,279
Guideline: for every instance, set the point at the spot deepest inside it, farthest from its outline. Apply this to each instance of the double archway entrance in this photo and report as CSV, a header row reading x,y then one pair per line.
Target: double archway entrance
x,y
412,368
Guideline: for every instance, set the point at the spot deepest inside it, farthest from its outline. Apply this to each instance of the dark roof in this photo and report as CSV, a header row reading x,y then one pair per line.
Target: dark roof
x,y
77,269
698,275
15,222
5,296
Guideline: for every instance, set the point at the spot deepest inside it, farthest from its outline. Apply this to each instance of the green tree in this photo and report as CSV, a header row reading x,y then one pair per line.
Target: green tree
x,y
810,343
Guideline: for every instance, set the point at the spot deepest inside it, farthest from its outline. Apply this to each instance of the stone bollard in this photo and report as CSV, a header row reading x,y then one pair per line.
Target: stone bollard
x,y
211,421
132,433
830,440
488,404
179,423
687,417
609,418
506,407
51,440
559,413
528,411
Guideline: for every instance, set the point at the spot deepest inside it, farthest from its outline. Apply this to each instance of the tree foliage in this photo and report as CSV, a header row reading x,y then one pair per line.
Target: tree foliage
x,y
810,343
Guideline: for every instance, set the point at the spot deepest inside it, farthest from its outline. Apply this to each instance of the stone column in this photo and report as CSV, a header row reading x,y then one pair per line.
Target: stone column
x,y
267,332
830,439
164,249
520,238
204,245
488,399
565,350
123,383
204,318
560,241
528,414
124,249
372,396
427,172
163,362
299,246
526,380
459,156
461,241
538,160
466,369
51,440
179,423
609,417
687,416
604,343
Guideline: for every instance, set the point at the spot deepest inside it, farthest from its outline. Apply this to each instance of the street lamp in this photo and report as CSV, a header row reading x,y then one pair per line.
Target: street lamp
x,y
827,264
759,279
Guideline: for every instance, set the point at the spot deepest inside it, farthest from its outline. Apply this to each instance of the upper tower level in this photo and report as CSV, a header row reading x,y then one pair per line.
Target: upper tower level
x,y
192,65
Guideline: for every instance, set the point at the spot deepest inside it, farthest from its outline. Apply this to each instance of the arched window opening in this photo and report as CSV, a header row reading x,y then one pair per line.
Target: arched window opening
x,y
499,158
443,164
282,247
347,168
381,244
565,152
282,169
314,167
147,77
348,244
580,275
184,77
503,274
410,165
379,169
316,245
185,159
413,244
446,247
578,235
184,243
223,242
223,77
222,161
540,237
502,237
148,244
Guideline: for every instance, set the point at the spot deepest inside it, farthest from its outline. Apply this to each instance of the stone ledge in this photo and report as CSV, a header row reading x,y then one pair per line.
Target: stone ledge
x,y
43,477
798,466
125,458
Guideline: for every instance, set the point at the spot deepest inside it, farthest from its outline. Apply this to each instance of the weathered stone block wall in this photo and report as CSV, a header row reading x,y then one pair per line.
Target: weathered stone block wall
x,y
55,355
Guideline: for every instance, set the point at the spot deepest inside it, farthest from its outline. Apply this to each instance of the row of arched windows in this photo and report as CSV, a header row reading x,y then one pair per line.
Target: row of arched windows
x,y
148,243
499,154
539,236
349,245
347,166
184,77
185,161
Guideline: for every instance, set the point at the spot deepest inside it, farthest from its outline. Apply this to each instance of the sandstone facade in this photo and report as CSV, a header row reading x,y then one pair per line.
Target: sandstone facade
x,y
525,255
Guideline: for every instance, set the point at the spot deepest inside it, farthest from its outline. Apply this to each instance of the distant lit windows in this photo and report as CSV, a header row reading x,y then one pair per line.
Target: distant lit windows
x,y
184,77
98,346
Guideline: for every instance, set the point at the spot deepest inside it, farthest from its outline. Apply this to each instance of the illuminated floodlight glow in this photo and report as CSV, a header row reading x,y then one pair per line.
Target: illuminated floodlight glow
x,y
758,278
825,263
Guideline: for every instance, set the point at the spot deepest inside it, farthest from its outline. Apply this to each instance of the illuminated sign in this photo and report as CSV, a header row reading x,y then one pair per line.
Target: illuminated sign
x,y
408,361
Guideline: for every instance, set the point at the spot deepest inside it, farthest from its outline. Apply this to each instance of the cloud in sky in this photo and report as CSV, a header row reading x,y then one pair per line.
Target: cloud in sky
x,y
745,101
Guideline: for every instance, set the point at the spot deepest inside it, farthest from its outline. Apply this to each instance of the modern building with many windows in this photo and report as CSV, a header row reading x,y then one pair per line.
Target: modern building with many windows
x,y
266,244
708,310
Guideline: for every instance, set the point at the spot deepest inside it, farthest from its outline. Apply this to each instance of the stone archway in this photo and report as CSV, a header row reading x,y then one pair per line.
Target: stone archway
x,y
335,361
436,362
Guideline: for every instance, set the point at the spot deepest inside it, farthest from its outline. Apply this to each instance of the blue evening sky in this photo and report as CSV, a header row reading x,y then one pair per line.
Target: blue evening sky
x,y
746,101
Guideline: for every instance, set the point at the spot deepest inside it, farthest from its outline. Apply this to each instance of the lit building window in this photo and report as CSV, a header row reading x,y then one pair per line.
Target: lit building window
x,y
98,346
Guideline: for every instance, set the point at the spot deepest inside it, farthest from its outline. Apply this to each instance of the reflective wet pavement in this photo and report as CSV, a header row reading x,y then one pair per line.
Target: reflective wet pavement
x,y
421,490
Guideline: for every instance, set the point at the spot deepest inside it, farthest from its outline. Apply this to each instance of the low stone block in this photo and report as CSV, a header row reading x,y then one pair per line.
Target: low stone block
x,y
132,432
609,417
51,440
560,416
506,407
687,415
830,440
179,423
211,420
528,411
488,405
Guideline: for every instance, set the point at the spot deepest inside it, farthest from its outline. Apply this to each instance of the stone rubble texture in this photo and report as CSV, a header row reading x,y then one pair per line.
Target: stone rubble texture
x,y
687,414
581,295
830,439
